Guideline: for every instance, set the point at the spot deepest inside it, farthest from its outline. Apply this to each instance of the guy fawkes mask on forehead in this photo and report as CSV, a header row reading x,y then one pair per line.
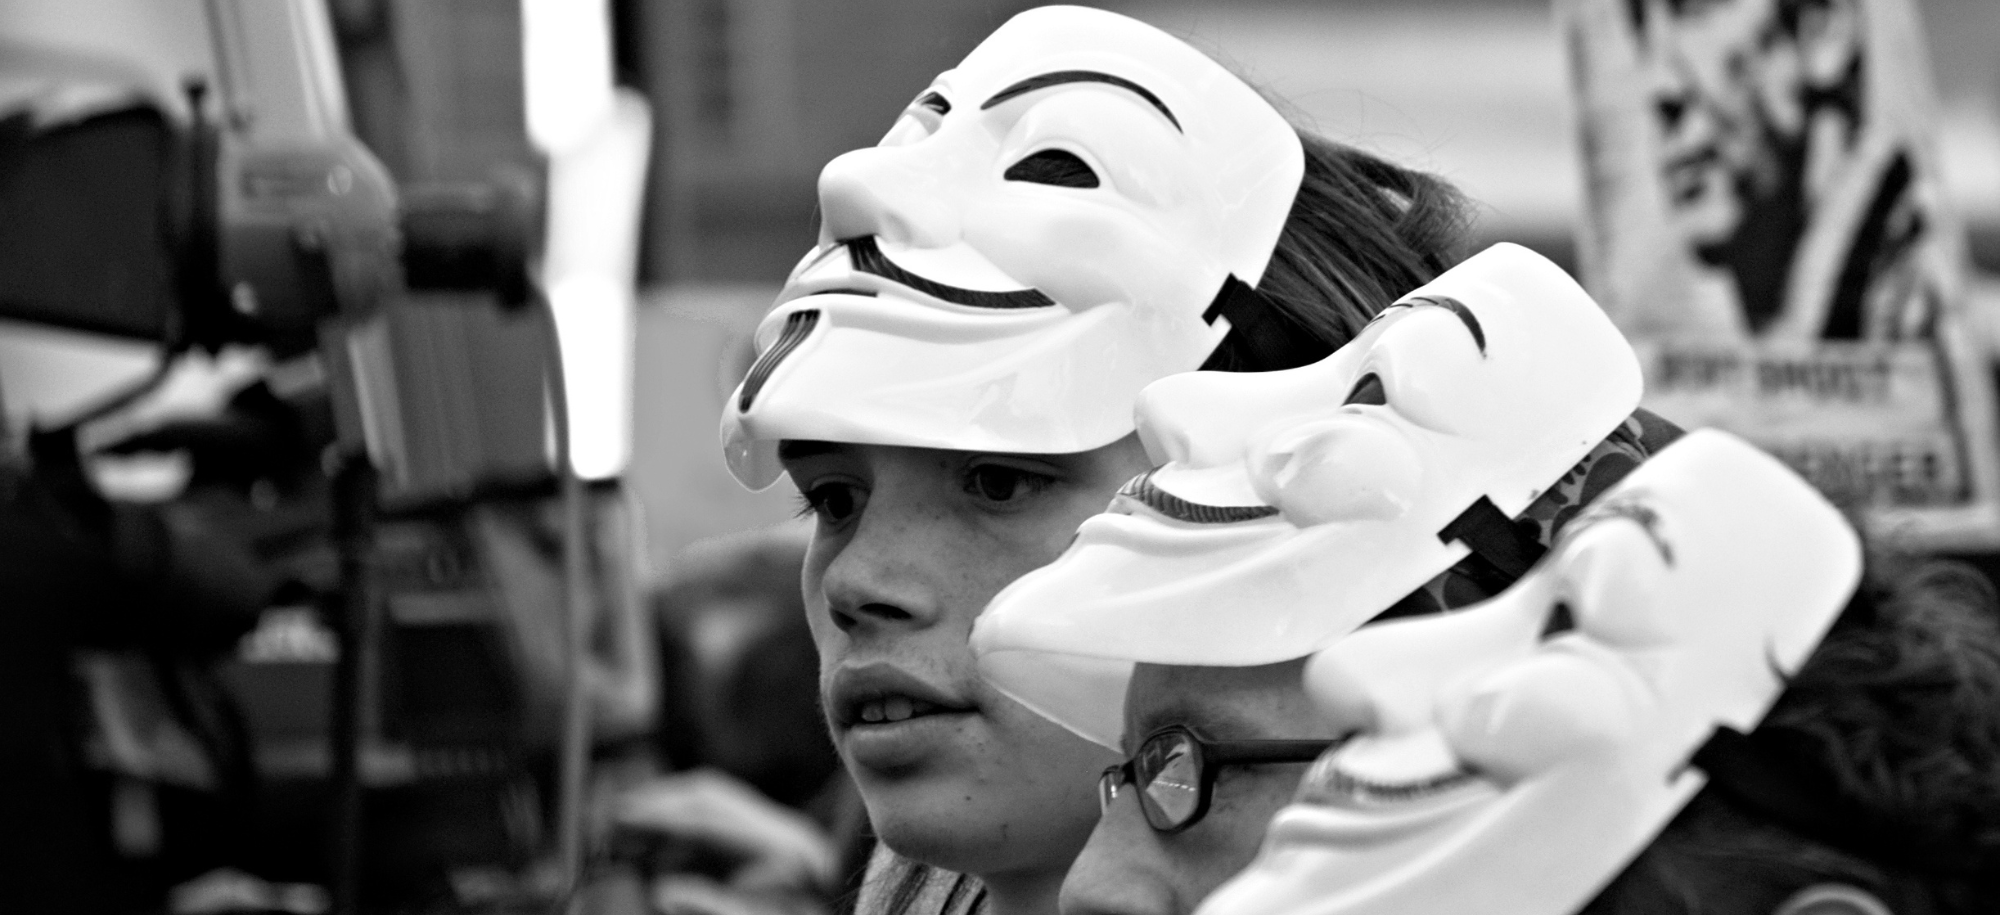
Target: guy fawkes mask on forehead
x,y
1047,228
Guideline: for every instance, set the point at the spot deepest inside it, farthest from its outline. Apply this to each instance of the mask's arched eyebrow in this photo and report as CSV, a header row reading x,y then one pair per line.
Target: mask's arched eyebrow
x,y
1631,510
1455,307
1059,77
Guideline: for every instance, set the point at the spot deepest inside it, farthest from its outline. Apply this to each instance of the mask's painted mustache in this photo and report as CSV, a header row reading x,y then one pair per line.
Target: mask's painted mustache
x,y
1141,488
868,258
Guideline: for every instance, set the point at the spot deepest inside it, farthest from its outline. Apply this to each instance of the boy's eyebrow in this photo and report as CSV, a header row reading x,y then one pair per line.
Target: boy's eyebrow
x,y
1059,77
1174,710
1214,720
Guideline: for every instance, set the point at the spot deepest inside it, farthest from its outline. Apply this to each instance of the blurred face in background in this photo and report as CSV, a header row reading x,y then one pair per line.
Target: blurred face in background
x,y
1726,98
910,545
1733,86
744,674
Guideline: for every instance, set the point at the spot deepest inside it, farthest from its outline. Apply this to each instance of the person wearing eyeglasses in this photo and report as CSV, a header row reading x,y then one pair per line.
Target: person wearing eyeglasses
x,y
1423,466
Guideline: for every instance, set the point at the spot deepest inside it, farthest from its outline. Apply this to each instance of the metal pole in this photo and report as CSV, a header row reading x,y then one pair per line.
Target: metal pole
x,y
353,504
575,761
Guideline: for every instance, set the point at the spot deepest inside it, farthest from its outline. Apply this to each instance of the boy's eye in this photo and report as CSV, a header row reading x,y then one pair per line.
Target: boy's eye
x,y
832,502
1000,483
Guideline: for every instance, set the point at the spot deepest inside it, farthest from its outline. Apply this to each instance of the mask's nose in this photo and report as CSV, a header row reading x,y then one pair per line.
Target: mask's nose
x,y
1387,678
903,195
1201,421
1163,423
1208,419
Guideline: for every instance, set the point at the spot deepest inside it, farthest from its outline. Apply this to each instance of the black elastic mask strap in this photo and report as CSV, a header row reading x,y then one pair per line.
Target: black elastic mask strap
x,y
1493,537
1255,320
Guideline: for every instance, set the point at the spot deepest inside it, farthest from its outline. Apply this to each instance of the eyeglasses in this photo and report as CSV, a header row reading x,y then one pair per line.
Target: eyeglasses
x,y
1175,770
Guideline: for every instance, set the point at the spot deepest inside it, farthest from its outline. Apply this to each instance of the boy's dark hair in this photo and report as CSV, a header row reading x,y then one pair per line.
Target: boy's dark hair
x,y
1362,232
1898,712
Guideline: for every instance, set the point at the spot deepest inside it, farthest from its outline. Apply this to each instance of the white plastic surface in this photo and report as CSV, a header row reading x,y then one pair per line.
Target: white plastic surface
x,y
1502,769
1360,491
1189,191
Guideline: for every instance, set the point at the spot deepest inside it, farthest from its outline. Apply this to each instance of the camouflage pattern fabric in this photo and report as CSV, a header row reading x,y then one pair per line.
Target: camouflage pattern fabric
x,y
1470,581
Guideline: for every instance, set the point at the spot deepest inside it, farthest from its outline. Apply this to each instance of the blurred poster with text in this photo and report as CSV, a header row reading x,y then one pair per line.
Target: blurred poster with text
x,y
1765,218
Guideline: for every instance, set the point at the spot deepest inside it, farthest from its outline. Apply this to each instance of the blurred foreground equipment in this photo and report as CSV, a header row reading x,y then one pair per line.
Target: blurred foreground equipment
x,y
460,613
249,223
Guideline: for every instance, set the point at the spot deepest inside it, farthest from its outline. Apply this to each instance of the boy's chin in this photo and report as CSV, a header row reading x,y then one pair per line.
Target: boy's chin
x,y
932,822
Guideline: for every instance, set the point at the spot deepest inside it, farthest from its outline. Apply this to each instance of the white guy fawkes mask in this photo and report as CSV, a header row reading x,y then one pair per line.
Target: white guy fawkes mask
x,y
1294,506
1035,240
1515,755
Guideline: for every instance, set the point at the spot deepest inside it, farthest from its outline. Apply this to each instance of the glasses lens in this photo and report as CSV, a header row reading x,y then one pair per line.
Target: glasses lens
x,y
1108,784
1170,779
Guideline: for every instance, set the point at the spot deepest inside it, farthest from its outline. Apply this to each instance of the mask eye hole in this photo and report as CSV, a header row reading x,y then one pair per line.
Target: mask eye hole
x,y
934,102
1368,391
1052,166
1560,620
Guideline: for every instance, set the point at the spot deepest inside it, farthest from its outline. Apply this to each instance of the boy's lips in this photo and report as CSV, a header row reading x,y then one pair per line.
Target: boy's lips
x,y
887,720
882,693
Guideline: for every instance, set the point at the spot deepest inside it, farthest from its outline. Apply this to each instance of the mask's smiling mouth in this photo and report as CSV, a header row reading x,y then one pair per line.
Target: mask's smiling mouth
x,y
1370,793
867,257
859,267
1337,810
1372,772
1141,489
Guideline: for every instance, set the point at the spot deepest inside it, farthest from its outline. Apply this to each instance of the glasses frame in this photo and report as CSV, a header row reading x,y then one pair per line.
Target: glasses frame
x,y
1210,758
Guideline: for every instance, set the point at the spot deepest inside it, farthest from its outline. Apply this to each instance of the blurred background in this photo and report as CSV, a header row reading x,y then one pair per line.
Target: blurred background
x,y
1474,90
365,533
751,97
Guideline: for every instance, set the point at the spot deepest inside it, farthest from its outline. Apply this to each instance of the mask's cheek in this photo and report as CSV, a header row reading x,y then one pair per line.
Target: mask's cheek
x,y
1548,709
1143,235
1345,468
1619,577
1434,375
1084,249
